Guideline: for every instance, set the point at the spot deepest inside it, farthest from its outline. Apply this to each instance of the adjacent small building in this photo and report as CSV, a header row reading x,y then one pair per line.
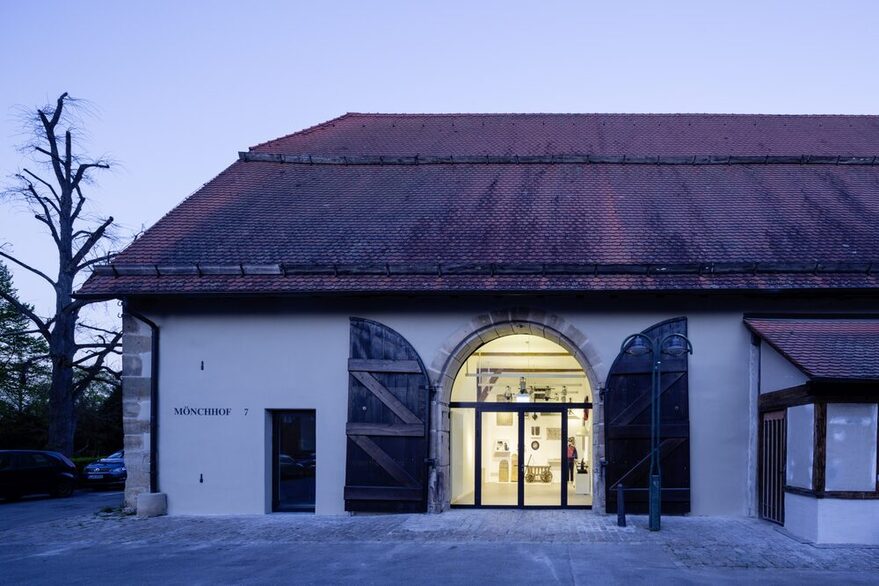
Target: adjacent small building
x,y
406,313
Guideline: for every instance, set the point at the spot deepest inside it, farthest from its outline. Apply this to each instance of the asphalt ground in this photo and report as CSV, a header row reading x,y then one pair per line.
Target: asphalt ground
x,y
41,509
456,547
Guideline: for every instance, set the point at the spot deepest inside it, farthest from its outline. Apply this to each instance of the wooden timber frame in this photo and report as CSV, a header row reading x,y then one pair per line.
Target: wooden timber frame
x,y
388,421
819,393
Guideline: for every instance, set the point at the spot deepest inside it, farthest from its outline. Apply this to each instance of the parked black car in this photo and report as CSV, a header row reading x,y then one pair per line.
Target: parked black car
x,y
35,472
106,471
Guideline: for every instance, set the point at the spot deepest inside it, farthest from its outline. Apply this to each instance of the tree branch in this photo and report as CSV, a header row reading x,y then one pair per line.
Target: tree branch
x,y
49,127
79,203
97,329
96,260
44,182
47,220
108,345
91,241
59,106
27,312
76,305
47,153
28,267
93,370
80,171
92,355
95,376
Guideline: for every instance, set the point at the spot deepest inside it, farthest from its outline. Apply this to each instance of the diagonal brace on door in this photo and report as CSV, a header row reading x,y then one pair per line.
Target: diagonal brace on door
x,y
382,458
639,405
386,397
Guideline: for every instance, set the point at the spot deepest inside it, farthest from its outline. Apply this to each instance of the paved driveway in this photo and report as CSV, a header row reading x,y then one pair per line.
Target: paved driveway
x,y
457,547
42,509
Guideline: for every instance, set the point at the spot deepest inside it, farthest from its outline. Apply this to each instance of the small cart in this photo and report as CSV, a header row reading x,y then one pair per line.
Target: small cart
x,y
538,474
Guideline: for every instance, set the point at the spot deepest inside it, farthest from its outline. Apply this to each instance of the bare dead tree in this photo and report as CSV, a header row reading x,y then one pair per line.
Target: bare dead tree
x,y
54,191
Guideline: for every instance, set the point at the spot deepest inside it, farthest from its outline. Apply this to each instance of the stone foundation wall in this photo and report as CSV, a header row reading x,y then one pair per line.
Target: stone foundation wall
x,y
136,379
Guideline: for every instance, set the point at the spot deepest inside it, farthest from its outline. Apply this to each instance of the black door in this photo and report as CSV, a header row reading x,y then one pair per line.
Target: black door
x,y
627,427
388,416
294,460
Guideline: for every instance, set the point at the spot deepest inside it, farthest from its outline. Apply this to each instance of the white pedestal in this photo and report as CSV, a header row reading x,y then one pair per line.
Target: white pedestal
x,y
582,483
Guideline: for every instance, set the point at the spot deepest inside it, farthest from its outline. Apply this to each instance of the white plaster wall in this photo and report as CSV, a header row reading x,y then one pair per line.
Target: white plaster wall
x,y
848,521
296,358
777,372
257,362
831,520
801,516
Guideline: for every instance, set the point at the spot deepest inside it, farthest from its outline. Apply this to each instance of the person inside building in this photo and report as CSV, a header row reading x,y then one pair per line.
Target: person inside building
x,y
572,458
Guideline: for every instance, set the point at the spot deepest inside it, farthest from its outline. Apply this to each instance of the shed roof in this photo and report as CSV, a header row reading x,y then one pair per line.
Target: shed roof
x,y
522,202
825,348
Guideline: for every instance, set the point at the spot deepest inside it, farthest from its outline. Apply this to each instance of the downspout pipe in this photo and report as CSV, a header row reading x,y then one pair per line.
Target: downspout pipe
x,y
154,394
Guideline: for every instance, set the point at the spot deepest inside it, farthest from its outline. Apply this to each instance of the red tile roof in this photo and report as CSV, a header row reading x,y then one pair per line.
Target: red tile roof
x,y
606,134
426,226
825,348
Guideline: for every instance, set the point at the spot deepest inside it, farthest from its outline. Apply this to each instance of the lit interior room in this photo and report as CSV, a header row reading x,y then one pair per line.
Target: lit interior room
x,y
521,427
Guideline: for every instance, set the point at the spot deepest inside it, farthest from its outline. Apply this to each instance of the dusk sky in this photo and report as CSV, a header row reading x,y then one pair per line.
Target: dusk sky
x,y
177,88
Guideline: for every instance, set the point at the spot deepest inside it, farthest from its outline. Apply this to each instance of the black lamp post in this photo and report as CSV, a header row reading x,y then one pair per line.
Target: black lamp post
x,y
672,345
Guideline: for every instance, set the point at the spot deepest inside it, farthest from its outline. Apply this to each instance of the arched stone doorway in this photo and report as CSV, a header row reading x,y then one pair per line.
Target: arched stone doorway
x,y
476,333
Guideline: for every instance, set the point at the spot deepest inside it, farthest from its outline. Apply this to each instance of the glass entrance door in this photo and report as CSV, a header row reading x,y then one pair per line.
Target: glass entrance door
x,y
524,457
293,460
544,468
500,433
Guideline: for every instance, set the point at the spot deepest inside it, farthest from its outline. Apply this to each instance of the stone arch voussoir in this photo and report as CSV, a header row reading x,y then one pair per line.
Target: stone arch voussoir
x,y
498,323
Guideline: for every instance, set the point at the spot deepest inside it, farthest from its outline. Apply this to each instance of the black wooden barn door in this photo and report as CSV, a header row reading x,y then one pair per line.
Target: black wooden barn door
x,y
388,411
627,427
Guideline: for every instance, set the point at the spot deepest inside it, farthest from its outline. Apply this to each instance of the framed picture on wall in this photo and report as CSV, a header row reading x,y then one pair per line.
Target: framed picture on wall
x,y
504,419
554,433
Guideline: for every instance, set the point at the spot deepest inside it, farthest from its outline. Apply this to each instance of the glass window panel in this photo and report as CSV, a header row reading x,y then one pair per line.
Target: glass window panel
x,y
500,457
462,446
851,446
464,387
296,464
580,430
545,468
494,373
800,441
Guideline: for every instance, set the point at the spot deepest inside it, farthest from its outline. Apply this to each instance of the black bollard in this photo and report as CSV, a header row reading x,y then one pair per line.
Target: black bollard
x,y
621,507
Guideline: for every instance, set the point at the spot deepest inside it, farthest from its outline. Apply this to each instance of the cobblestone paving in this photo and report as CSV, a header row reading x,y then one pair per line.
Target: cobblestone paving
x,y
693,542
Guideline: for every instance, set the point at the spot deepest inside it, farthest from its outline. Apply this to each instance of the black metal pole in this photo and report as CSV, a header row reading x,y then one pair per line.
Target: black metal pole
x,y
655,486
621,506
